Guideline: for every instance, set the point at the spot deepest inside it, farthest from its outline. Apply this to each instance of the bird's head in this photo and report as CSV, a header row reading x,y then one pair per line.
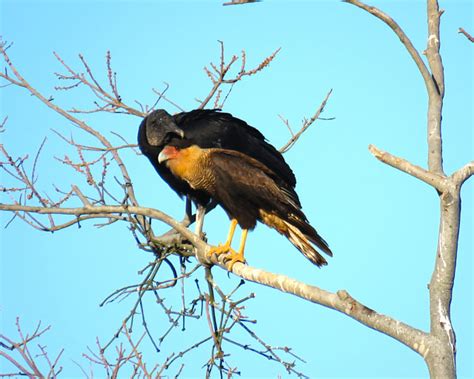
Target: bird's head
x,y
158,129
168,152
180,151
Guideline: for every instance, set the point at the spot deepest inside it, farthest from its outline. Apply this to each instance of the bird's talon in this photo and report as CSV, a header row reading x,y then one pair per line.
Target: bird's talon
x,y
231,257
220,249
236,258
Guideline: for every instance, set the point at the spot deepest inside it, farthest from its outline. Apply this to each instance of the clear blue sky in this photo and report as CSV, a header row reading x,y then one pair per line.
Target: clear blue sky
x,y
380,223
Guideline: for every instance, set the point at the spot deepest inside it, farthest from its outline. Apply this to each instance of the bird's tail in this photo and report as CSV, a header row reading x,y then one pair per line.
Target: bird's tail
x,y
301,234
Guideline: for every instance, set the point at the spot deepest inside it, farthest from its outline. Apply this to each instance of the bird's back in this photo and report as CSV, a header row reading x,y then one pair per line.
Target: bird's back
x,y
214,129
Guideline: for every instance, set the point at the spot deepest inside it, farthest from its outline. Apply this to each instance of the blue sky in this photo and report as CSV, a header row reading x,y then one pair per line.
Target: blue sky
x,y
380,223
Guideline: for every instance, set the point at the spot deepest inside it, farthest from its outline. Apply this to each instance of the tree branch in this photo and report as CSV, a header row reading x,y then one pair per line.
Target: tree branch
x,y
434,180
432,50
403,38
238,2
305,126
82,125
340,301
434,81
466,34
435,95
464,173
440,356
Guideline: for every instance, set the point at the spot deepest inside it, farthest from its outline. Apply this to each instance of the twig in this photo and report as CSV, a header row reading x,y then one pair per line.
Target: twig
x,y
306,125
468,36
238,2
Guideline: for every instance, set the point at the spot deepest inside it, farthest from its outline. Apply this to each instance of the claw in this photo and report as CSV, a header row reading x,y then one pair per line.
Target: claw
x,y
221,249
234,258
225,248
232,255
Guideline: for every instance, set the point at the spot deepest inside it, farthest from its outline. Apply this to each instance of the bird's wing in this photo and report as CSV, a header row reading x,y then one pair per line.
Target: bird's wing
x,y
246,177
213,129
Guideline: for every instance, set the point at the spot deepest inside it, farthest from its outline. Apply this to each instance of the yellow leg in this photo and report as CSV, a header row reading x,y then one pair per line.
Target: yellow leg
x,y
225,248
230,235
239,257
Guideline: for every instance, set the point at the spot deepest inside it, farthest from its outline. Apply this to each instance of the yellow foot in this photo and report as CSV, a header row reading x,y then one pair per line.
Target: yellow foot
x,y
221,249
232,255
234,258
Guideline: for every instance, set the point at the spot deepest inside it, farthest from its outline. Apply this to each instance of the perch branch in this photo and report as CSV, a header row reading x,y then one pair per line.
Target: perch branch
x,y
340,301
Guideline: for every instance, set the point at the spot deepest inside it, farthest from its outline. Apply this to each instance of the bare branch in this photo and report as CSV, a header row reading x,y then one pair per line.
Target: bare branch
x,y
433,179
221,71
432,50
238,2
464,173
468,36
162,96
112,101
20,357
340,301
2,124
306,125
403,38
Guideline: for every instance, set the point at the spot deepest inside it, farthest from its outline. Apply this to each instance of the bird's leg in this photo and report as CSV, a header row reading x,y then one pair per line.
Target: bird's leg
x,y
239,256
200,213
225,248
234,256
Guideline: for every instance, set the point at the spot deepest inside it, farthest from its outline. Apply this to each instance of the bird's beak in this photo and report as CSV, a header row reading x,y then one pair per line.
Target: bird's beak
x,y
176,130
180,133
162,157
169,152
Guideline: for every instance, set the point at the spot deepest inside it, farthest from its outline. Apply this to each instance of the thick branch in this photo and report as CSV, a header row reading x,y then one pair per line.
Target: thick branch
x,y
432,50
101,211
464,173
341,301
434,180
441,358
435,95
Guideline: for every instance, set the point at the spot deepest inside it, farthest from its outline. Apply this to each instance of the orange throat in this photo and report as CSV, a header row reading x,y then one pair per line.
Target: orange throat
x,y
186,163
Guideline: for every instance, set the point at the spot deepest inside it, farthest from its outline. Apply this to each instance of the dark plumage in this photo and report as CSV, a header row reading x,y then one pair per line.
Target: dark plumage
x,y
207,154
248,191
207,129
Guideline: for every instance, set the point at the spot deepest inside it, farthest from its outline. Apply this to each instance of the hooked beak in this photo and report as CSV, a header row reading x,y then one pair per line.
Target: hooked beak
x,y
175,129
179,132
169,152
162,157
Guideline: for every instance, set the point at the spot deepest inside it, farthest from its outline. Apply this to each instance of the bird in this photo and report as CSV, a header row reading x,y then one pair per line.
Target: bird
x,y
208,154
206,128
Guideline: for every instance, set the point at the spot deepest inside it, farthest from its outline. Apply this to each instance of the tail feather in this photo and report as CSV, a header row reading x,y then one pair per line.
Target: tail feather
x,y
303,241
300,233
